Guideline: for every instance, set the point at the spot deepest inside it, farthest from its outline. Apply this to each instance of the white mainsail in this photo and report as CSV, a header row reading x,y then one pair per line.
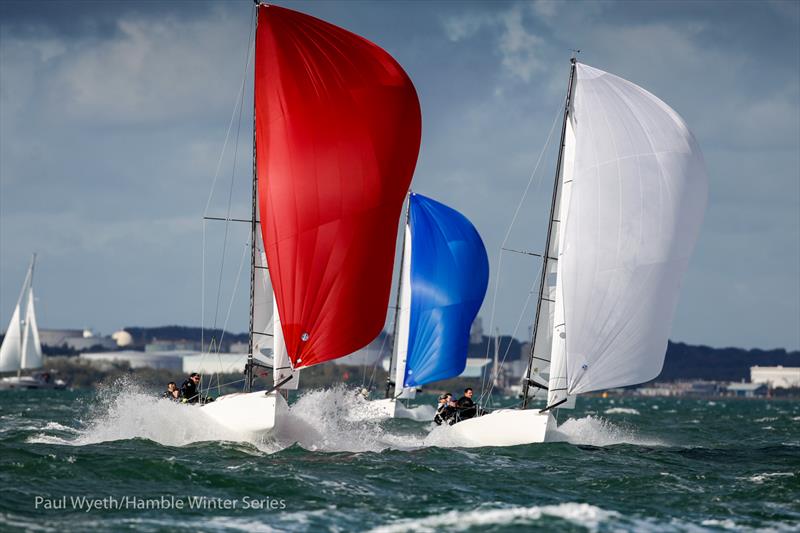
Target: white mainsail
x,y
403,323
267,332
21,348
637,199
31,352
557,383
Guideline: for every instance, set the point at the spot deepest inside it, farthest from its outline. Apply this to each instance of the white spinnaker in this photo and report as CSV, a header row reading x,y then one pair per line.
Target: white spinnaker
x,y
31,351
12,344
557,383
637,203
403,323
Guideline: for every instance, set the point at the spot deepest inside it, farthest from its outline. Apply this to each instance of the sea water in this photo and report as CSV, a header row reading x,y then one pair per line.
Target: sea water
x,y
126,460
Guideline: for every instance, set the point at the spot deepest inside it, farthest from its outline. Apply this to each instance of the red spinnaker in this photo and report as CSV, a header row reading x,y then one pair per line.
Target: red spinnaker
x,y
338,128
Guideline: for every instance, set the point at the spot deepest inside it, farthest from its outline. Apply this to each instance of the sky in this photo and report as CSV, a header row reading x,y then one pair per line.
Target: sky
x,y
114,115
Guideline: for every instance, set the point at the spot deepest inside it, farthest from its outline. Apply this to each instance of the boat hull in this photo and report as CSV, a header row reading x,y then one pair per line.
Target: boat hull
x,y
504,427
248,415
30,383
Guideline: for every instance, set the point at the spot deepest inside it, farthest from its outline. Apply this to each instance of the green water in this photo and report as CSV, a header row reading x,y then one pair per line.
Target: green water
x,y
619,464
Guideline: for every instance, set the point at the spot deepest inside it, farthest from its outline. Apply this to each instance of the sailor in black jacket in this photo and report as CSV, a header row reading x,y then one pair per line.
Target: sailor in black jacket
x,y
189,392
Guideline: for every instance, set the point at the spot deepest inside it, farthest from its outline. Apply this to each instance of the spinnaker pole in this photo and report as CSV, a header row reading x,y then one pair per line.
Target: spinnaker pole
x,y
546,255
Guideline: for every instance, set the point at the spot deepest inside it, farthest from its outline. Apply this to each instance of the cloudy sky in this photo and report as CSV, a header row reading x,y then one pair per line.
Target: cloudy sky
x,y
113,117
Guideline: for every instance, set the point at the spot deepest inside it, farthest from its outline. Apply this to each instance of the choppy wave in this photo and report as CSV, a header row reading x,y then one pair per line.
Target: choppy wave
x,y
593,431
581,514
622,411
320,420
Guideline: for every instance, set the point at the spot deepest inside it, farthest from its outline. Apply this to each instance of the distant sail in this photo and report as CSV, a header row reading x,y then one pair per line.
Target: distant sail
x,y
31,352
11,350
449,276
637,201
338,129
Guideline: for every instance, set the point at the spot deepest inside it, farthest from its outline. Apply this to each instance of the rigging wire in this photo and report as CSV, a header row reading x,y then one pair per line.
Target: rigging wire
x,y
505,240
239,103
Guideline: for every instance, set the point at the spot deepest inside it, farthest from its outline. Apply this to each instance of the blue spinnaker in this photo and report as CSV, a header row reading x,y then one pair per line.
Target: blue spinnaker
x,y
449,275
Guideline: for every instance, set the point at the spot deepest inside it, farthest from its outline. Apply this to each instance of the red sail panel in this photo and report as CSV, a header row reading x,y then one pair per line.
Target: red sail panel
x,y
338,129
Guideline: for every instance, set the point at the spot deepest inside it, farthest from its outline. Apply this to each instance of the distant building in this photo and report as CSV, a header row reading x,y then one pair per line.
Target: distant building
x,y
160,360
77,339
177,360
776,377
746,390
222,363
164,346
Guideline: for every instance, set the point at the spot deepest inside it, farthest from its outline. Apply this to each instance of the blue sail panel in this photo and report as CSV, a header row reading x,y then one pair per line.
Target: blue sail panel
x,y
449,276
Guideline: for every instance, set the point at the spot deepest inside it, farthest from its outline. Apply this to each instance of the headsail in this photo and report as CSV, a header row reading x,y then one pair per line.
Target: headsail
x,y
338,130
31,352
21,348
449,276
636,206
10,351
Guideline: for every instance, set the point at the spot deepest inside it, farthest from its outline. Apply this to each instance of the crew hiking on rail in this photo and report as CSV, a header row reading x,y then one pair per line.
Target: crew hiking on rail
x,y
451,412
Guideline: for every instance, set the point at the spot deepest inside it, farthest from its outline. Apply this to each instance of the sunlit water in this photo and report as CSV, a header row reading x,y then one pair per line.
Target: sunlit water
x,y
614,464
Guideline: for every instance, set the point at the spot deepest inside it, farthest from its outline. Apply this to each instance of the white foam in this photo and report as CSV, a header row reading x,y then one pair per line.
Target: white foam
x,y
591,431
622,411
581,514
318,420
760,479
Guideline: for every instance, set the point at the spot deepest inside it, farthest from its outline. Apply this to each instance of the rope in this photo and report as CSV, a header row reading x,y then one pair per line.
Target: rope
x,y
505,240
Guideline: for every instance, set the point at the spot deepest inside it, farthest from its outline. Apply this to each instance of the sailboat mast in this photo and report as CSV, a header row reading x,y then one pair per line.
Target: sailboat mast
x,y
254,193
396,327
546,255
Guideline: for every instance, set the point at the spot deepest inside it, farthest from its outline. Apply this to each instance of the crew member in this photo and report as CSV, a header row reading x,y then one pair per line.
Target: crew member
x,y
466,407
189,389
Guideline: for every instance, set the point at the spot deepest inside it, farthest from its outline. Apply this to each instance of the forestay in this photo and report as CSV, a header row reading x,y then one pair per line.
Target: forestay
x,y
636,207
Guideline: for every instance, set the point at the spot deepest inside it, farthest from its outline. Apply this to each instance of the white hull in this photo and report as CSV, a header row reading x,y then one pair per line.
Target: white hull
x,y
30,382
504,427
249,415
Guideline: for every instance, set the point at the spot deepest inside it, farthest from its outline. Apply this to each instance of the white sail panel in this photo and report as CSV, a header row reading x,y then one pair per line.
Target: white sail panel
x,y
403,323
637,203
283,365
262,302
31,352
267,332
12,343
557,384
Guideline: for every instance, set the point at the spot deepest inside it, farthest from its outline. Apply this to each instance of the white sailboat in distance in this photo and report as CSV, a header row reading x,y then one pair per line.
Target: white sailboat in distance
x,y
21,349
627,206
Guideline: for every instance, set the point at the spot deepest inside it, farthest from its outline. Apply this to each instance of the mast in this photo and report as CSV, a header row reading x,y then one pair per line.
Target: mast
x,y
392,362
254,193
546,255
